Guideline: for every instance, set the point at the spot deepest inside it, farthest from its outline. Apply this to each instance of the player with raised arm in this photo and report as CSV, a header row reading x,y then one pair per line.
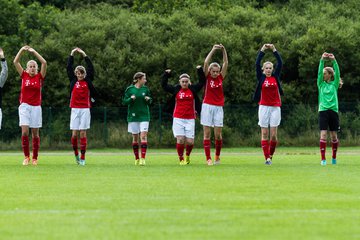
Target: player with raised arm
x,y
268,95
328,82
3,77
82,91
30,112
212,113
186,105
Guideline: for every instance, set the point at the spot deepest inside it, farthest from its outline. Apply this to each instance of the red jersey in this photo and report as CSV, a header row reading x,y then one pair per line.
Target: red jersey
x,y
31,89
80,95
185,104
270,95
214,93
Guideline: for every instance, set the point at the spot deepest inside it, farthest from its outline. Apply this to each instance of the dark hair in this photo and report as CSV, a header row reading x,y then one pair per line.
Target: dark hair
x,y
80,69
138,76
330,70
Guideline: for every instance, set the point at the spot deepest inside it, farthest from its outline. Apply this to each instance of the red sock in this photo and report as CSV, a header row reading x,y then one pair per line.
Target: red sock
x,y
74,143
144,146
207,146
218,145
272,147
180,150
189,148
322,148
35,147
25,145
265,148
135,147
83,143
334,145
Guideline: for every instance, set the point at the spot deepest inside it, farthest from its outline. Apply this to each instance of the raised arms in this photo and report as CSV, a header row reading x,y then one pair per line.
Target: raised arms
x,y
89,65
336,69
260,56
202,79
225,61
29,49
41,59
208,59
17,64
164,82
4,69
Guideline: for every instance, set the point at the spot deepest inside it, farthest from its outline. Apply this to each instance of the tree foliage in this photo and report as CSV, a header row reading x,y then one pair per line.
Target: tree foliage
x,y
123,37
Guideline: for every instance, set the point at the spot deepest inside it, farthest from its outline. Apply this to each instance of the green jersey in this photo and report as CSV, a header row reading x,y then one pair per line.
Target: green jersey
x,y
138,109
328,99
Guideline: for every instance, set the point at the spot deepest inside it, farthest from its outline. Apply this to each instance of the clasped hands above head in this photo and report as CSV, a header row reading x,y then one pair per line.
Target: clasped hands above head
x,y
268,46
326,55
79,50
28,48
218,46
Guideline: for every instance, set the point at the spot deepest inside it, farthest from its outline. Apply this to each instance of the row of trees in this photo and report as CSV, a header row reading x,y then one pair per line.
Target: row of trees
x,y
123,37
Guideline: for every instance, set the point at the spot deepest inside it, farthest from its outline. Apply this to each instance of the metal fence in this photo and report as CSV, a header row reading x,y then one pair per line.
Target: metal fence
x,y
299,126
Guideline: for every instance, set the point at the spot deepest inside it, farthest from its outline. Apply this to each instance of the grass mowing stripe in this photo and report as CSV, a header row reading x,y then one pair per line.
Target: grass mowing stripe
x,y
110,198
185,210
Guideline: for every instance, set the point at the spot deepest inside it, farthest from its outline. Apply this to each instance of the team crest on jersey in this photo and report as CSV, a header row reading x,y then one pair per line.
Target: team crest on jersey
x,y
143,94
267,83
183,95
213,85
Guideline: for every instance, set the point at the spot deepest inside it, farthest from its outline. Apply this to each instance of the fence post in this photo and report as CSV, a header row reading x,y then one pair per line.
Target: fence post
x,y
105,131
160,128
50,125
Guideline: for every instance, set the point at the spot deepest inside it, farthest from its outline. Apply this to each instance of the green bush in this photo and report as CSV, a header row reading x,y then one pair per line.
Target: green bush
x,y
123,37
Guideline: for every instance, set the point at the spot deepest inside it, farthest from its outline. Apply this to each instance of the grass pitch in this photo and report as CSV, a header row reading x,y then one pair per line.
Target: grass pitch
x,y
110,198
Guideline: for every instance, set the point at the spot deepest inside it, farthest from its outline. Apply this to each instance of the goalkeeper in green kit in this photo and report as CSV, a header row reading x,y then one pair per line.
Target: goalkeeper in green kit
x,y
328,82
138,98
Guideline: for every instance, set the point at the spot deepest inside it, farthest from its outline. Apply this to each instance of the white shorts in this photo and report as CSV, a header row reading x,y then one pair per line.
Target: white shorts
x,y
80,119
138,127
269,116
212,116
0,117
184,127
30,116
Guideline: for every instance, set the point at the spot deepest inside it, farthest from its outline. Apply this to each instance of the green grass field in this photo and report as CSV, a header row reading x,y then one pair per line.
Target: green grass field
x,y
110,198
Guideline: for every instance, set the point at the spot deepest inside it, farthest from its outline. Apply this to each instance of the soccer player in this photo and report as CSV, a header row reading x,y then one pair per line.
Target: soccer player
x,y
3,77
138,98
212,114
186,105
328,82
82,92
267,94
30,113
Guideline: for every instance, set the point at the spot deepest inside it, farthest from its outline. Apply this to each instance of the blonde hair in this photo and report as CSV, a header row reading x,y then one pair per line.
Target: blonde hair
x,y
36,65
80,69
138,76
272,65
330,71
184,75
214,64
